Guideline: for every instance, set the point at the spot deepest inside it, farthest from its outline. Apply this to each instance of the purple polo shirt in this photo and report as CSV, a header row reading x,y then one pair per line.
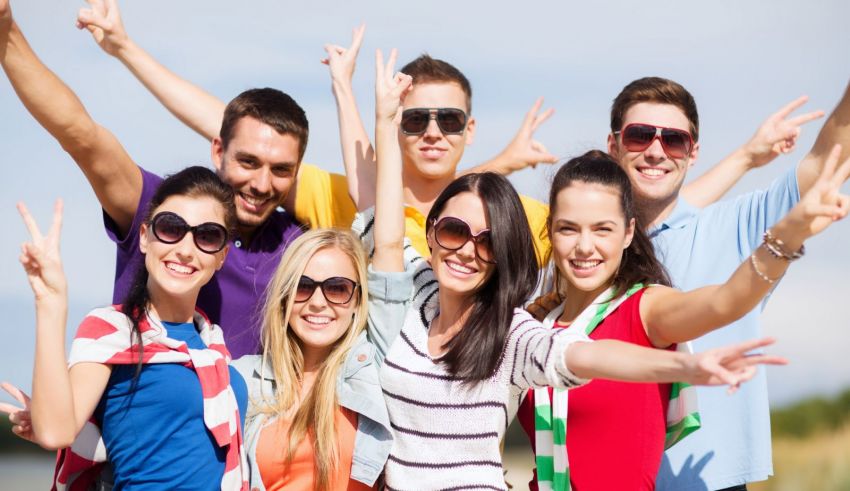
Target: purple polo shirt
x,y
233,297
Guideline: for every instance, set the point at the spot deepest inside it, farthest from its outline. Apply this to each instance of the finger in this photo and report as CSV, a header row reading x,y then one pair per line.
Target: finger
x,y
532,113
17,393
842,173
791,106
357,39
805,118
828,171
746,346
390,68
29,221
56,226
543,117
741,377
9,409
90,17
379,64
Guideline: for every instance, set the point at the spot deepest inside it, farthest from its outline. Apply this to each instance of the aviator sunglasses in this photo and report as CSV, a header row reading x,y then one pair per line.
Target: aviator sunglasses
x,y
637,137
450,120
453,233
170,228
337,290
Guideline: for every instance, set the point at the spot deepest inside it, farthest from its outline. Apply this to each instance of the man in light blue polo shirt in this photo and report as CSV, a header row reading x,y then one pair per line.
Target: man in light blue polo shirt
x,y
654,134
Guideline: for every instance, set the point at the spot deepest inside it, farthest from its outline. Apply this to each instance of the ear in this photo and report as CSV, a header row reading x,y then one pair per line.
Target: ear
x,y
612,146
217,154
692,158
223,253
630,234
143,238
469,134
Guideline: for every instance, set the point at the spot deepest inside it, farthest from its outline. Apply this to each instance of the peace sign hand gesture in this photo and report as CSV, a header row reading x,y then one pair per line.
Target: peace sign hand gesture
x,y
390,88
19,416
778,133
103,20
41,259
823,204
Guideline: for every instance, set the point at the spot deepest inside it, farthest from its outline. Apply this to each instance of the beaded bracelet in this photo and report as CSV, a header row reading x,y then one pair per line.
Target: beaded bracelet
x,y
777,248
760,274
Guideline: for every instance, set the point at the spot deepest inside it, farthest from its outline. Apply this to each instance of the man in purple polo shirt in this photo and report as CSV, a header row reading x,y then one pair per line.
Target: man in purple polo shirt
x,y
262,140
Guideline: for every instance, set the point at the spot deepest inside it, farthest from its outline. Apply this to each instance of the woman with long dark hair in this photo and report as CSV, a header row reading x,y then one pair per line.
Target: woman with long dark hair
x,y
612,286
467,352
148,383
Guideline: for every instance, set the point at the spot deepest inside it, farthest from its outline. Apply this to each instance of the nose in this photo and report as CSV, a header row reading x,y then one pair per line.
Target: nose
x,y
317,300
185,248
261,181
467,250
584,247
655,152
433,131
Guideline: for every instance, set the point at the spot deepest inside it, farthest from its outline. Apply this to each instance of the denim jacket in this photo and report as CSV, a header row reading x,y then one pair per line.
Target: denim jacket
x,y
358,386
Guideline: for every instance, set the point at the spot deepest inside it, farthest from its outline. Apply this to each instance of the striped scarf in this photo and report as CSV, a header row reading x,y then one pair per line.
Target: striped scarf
x,y
104,336
550,422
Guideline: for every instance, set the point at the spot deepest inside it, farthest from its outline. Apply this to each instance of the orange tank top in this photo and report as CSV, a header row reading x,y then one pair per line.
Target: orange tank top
x,y
300,474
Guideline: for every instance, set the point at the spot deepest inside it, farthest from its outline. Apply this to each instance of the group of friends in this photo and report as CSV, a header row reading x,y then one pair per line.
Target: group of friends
x,y
276,326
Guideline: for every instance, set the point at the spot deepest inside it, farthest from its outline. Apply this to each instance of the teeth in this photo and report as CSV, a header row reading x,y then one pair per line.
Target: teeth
x,y
460,268
314,319
179,268
585,264
252,200
652,172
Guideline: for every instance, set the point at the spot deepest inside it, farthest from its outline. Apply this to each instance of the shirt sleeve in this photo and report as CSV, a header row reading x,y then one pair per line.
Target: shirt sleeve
x,y
537,214
389,298
537,356
322,199
759,210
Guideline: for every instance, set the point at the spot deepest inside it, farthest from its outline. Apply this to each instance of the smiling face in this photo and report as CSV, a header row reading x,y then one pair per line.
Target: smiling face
x,y
260,164
319,324
434,155
179,270
589,234
461,272
656,177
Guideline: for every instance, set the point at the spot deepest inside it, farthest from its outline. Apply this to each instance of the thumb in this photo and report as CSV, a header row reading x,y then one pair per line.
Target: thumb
x,y
88,18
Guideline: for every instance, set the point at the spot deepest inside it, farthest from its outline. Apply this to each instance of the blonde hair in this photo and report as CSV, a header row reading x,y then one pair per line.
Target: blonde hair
x,y
314,416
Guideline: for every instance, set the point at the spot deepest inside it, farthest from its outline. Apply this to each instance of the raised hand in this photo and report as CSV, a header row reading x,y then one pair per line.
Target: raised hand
x,y
19,416
103,20
40,257
823,203
524,151
390,88
341,61
730,365
778,133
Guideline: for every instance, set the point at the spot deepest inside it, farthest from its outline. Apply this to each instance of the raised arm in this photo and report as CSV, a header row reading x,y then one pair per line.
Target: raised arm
x,y
390,88
672,316
195,107
836,131
777,135
523,151
113,176
62,400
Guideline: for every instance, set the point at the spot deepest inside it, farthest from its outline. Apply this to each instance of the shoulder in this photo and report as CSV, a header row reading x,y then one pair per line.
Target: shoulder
x,y
103,321
248,365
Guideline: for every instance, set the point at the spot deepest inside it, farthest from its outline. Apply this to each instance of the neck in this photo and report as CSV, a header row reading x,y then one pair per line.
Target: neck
x,y
313,359
654,212
420,192
454,312
245,233
577,301
169,308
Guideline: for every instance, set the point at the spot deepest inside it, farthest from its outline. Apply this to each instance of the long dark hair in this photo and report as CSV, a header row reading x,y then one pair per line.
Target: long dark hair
x,y
473,353
193,182
639,263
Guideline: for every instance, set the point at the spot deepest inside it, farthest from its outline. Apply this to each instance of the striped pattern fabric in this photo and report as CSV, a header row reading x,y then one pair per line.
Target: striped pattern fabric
x,y
104,336
446,433
550,422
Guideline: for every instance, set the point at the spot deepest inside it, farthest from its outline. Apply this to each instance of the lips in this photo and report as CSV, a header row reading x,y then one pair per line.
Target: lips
x,y
652,172
432,153
317,321
179,269
583,268
253,203
459,269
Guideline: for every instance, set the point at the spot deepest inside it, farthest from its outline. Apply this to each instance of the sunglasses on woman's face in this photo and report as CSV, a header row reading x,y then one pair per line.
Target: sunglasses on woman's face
x,y
453,233
450,120
170,228
637,137
337,290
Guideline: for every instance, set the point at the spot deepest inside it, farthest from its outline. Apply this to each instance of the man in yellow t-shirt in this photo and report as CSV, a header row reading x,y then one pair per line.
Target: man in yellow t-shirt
x,y
436,127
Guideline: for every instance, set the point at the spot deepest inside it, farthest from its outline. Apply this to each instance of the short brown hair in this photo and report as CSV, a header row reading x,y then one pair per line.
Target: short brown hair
x,y
271,107
425,69
658,90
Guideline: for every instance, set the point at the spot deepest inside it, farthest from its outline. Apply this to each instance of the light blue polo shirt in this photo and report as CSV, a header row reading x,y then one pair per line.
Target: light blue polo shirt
x,y
704,247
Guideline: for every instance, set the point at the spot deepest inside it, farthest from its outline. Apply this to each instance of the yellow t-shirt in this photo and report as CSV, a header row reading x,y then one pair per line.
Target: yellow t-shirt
x,y
322,201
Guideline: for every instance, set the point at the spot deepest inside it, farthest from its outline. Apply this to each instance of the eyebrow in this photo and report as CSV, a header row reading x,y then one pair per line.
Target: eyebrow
x,y
239,154
569,222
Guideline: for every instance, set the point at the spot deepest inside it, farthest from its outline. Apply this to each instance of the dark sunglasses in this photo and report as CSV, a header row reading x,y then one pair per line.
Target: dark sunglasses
x,y
170,228
415,121
637,137
453,233
337,290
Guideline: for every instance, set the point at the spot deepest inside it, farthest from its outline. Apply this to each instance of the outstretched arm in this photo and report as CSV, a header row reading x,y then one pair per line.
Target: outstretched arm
x,y
523,151
672,316
195,107
113,176
777,135
62,400
836,131
390,88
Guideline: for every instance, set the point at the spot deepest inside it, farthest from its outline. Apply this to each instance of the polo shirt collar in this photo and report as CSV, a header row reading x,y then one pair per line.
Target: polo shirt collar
x,y
681,215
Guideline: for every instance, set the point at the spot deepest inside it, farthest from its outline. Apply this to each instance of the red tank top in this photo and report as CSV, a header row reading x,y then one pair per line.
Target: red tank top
x,y
615,430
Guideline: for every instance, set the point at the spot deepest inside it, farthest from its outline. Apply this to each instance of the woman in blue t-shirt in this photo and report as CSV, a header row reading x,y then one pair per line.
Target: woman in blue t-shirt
x,y
148,383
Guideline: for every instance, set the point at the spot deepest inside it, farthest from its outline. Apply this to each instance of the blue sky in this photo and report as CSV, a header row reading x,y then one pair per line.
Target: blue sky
x,y
741,60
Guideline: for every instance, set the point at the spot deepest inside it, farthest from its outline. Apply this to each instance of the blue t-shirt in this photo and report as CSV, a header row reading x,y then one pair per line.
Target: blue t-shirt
x,y
154,434
700,248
